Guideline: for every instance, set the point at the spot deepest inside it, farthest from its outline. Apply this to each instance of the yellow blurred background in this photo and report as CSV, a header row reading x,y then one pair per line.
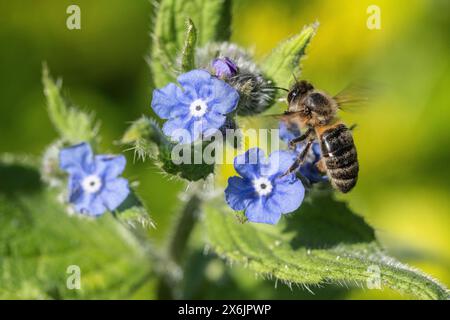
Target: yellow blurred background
x,y
403,139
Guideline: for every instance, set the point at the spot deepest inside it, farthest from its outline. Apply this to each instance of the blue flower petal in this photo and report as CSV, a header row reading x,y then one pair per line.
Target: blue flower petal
x,y
194,80
96,206
177,129
74,187
182,131
206,92
258,212
165,103
239,193
192,83
279,162
248,164
196,128
80,162
308,169
288,131
114,193
214,120
174,103
90,204
287,196
78,158
109,166
225,97
316,150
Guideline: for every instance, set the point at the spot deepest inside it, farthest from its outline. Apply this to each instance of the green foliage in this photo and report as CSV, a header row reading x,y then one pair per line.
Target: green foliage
x,y
146,138
212,18
149,141
322,242
188,53
283,63
18,174
133,213
190,171
73,125
39,241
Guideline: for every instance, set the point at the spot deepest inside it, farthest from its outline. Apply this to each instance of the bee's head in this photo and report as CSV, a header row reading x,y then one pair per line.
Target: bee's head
x,y
298,91
315,107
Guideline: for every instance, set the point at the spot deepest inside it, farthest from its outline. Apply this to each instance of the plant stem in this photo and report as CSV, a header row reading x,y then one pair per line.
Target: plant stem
x,y
169,285
183,228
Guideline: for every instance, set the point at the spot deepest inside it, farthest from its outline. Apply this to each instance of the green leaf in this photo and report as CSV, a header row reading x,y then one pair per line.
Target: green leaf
x,y
148,141
190,171
18,174
283,63
73,125
188,53
134,214
213,21
323,242
146,138
39,241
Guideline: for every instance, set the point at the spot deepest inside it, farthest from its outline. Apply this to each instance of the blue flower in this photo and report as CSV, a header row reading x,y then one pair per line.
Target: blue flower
x,y
309,170
94,182
198,108
224,67
261,190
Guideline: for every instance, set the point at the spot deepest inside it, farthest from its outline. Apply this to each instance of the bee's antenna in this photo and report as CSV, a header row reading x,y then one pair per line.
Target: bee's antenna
x,y
295,78
280,88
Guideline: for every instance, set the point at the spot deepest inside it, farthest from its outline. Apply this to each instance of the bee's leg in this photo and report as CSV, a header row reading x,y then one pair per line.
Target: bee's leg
x,y
299,139
300,158
352,127
320,165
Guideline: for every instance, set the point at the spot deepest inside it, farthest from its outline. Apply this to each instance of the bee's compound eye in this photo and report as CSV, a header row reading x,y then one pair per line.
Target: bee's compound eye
x,y
291,95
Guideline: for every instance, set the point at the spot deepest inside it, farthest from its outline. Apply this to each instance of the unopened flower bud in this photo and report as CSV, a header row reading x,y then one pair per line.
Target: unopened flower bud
x,y
224,67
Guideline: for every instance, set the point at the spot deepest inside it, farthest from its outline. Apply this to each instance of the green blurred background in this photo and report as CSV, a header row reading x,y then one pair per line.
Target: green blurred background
x,y
403,140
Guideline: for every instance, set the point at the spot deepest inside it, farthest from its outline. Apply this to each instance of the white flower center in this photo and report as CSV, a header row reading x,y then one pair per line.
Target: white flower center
x,y
91,184
262,186
198,108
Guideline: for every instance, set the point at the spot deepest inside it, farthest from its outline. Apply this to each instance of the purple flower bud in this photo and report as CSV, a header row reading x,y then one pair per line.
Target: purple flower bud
x,y
224,67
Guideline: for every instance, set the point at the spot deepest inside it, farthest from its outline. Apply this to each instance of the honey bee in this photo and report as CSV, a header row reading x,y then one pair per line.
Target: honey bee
x,y
316,111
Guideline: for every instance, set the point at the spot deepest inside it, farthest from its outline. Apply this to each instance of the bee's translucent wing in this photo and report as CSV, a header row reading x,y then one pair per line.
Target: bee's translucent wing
x,y
355,96
286,116
274,120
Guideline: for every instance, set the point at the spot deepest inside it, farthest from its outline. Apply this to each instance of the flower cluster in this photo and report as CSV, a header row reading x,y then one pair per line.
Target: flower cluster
x,y
94,183
199,108
309,170
262,190
205,101
236,66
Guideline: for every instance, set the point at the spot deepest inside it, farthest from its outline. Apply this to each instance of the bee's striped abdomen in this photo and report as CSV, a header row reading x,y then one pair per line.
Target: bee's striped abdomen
x,y
339,153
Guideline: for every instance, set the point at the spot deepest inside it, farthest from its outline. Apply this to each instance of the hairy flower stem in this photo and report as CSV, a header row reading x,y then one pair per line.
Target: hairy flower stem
x,y
169,285
183,228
